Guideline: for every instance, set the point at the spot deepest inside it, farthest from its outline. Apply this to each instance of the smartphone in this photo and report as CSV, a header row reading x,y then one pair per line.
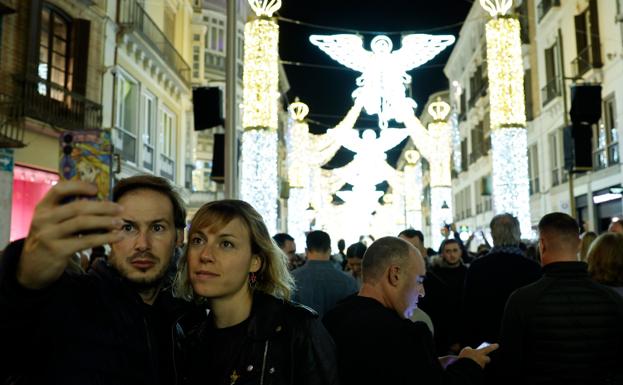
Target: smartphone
x,y
483,345
87,156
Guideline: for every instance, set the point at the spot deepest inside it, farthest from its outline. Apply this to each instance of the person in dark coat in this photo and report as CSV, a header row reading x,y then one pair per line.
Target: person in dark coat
x,y
251,334
564,328
112,325
491,279
444,293
377,343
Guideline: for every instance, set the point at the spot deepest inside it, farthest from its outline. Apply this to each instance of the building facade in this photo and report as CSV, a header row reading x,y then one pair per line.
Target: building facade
x,y
118,66
564,43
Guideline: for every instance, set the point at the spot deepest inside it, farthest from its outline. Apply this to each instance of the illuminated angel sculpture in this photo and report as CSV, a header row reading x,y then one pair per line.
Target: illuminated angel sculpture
x,y
383,80
369,166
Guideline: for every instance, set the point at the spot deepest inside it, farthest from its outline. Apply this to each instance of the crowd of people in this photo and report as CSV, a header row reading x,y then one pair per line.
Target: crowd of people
x,y
221,301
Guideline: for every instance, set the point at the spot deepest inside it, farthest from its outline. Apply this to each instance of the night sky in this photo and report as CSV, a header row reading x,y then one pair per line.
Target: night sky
x,y
328,91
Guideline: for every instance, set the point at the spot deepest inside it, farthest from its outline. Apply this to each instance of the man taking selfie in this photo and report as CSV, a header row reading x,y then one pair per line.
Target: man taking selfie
x,y
112,325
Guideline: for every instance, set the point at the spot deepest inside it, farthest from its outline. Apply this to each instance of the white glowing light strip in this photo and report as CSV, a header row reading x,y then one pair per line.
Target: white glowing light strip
x,y
597,199
456,141
506,77
298,155
413,195
439,216
382,84
259,174
439,159
298,220
510,175
261,74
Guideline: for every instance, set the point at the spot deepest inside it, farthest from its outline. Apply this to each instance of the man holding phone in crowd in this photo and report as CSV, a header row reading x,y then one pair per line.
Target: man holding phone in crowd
x,y
112,325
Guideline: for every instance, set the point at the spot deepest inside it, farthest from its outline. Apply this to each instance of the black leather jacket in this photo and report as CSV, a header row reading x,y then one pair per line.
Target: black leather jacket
x,y
285,343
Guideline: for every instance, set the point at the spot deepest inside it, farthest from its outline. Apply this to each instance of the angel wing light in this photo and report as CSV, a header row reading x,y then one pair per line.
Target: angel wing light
x,y
383,80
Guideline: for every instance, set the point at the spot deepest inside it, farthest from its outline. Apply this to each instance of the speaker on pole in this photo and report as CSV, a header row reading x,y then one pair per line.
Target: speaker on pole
x,y
578,146
207,107
585,103
218,159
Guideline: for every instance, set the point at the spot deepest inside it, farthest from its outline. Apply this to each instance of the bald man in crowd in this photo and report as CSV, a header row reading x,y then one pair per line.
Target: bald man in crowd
x,y
377,343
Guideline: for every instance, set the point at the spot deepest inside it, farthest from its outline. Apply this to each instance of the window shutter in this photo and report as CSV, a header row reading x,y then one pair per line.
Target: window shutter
x,y
594,35
80,54
581,35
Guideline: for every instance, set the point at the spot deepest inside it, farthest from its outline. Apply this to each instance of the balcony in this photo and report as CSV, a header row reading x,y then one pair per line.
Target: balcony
x,y
134,17
50,103
585,62
551,90
545,6
11,128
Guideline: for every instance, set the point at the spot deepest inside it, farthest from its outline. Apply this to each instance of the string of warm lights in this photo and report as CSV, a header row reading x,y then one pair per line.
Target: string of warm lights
x,y
507,112
258,184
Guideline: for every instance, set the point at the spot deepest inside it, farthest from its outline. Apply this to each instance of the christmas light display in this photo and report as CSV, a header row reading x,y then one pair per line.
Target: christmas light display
x,y
381,86
297,144
508,115
259,174
441,212
457,91
258,184
413,189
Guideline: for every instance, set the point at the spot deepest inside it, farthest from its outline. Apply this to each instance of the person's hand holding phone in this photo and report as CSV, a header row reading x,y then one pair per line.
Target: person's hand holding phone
x,y
480,355
59,230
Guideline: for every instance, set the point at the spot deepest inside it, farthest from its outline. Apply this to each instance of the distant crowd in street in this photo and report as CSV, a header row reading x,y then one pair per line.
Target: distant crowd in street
x,y
125,292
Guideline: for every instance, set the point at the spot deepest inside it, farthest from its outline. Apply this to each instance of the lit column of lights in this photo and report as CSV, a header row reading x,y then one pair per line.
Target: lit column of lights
x,y
439,159
413,189
260,111
298,171
457,91
508,114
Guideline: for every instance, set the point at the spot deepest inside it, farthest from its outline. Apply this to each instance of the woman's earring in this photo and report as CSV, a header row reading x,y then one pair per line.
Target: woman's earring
x,y
252,280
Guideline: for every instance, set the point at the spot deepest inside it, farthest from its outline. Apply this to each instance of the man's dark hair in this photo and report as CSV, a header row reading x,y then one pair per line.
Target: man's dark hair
x,y
154,183
281,238
559,225
381,254
341,245
356,250
411,233
319,241
448,241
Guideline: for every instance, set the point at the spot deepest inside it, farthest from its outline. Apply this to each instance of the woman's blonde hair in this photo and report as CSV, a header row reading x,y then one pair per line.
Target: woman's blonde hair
x,y
586,240
273,276
605,259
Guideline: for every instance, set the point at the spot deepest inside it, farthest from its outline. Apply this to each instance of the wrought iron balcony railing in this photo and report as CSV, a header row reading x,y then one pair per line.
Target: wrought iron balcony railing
x,y
133,16
585,61
50,103
551,90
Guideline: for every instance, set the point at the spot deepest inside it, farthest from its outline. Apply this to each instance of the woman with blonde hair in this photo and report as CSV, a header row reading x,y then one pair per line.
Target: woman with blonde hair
x,y
586,240
605,260
250,333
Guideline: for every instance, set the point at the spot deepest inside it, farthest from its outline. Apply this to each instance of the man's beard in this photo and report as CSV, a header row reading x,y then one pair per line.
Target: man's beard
x,y
143,284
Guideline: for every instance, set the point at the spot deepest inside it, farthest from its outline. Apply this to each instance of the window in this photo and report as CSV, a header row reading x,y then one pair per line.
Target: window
x,y
533,169
606,152
167,143
196,37
555,162
148,129
54,43
196,62
215,39
464,160
527,84
587,40
552,81
126,117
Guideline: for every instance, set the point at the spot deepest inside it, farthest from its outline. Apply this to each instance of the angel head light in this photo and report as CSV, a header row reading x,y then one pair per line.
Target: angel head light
x,y
383,81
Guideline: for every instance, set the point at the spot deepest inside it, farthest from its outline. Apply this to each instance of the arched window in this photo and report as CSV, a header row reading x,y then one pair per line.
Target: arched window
x,y
54,53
